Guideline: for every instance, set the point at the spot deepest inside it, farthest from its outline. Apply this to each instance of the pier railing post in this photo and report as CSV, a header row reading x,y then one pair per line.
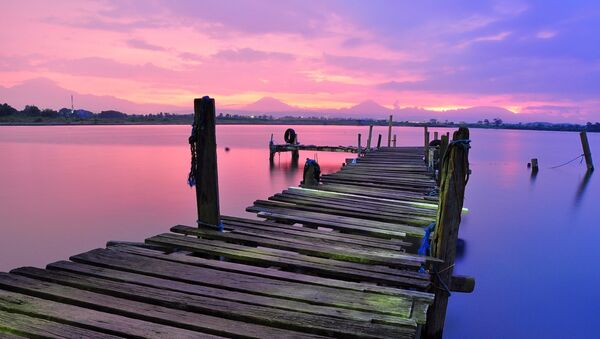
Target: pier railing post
x,y
586,151
390,131
205,168
426,145
369,138
454,177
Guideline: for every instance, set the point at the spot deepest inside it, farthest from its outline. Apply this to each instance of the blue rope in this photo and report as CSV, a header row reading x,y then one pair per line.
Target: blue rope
x,y
425,245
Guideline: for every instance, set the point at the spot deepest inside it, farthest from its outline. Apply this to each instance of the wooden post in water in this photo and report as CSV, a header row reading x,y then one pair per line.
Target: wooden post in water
x,y
534,165
359,144
426,138
379,141
586,151
442,152
435,135
369,138
207,182
390,131
394,140
454,174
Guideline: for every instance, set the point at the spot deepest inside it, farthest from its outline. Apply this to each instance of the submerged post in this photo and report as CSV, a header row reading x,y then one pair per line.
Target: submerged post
x,y
390,131
203,173
455,174
369,138
586,151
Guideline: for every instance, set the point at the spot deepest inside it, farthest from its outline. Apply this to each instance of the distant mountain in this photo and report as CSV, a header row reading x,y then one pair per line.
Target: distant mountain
x,y
268,104
46,93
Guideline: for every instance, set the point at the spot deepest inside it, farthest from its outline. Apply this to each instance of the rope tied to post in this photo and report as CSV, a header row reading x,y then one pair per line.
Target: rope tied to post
x,y
570,161
424,249
193,141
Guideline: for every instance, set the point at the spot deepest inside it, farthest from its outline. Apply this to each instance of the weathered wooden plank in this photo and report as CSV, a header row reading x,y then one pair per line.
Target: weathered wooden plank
x,y
105,322
16,325
317,295
137,296
308,265
188,288
316,234
398,259
272,273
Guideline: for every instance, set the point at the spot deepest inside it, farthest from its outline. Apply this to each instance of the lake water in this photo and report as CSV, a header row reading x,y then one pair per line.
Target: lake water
x,y
531,243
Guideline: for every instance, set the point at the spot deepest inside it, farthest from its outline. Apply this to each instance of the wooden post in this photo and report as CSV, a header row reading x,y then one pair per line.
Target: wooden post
x,y
452,189
359,144
369,138
426,137
394,140
586,151
207,186
435,135
443,148
534,165
390,131
379,141
271,149
311,175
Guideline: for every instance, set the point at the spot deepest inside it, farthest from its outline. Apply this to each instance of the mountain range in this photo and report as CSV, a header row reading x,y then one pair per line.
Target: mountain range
x,y
46,93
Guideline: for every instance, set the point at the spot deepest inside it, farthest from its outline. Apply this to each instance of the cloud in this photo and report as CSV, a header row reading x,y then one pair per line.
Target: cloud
x,y
142,44
251,55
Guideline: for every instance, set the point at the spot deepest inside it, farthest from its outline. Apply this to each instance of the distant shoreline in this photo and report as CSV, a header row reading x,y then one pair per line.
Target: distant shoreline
x,y
542,127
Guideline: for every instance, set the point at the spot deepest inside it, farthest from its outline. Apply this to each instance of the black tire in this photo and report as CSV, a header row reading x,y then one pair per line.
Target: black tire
x,y
290,136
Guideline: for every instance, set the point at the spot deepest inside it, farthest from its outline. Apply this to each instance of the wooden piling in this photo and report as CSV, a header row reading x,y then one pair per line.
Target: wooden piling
x,y
207,187
534,165
379,142
390,131
394,140
426,139
369,138
452,188
435,135
359,144
586,151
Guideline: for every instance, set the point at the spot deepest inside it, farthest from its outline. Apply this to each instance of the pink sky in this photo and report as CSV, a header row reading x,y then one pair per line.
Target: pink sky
x,y
525,57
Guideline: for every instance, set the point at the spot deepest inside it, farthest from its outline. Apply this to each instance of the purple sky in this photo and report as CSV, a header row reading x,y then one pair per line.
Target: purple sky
x,y
540,58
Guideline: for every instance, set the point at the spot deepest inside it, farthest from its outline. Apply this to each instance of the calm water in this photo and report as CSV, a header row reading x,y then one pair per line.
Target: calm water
x,y
531,243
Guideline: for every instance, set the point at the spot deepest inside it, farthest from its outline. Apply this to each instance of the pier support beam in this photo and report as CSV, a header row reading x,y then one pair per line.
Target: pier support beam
x,y
204,166
390,131
454,176
369,138
586,151
426,145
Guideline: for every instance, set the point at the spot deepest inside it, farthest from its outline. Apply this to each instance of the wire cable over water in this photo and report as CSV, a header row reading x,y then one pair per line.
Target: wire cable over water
x,y
570,161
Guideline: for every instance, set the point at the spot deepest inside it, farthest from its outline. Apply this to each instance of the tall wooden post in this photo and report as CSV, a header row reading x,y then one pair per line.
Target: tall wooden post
x,y
359,144
586,151
369,138
390,131
379,141
207,182
454,174
426,149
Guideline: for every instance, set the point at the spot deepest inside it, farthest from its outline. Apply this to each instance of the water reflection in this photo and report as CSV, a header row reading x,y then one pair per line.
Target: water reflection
x,y
582,187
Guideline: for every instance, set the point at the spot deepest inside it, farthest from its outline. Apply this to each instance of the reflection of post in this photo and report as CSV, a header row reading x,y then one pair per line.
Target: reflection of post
x,y
586,151
583,186
206,179
390,131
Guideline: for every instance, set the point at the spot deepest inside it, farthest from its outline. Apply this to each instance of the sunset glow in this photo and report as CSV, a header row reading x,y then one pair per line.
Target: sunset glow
x,y
536,58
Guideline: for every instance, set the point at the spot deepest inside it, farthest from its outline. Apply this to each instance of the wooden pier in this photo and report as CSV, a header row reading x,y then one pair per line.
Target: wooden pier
x,y
336,259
